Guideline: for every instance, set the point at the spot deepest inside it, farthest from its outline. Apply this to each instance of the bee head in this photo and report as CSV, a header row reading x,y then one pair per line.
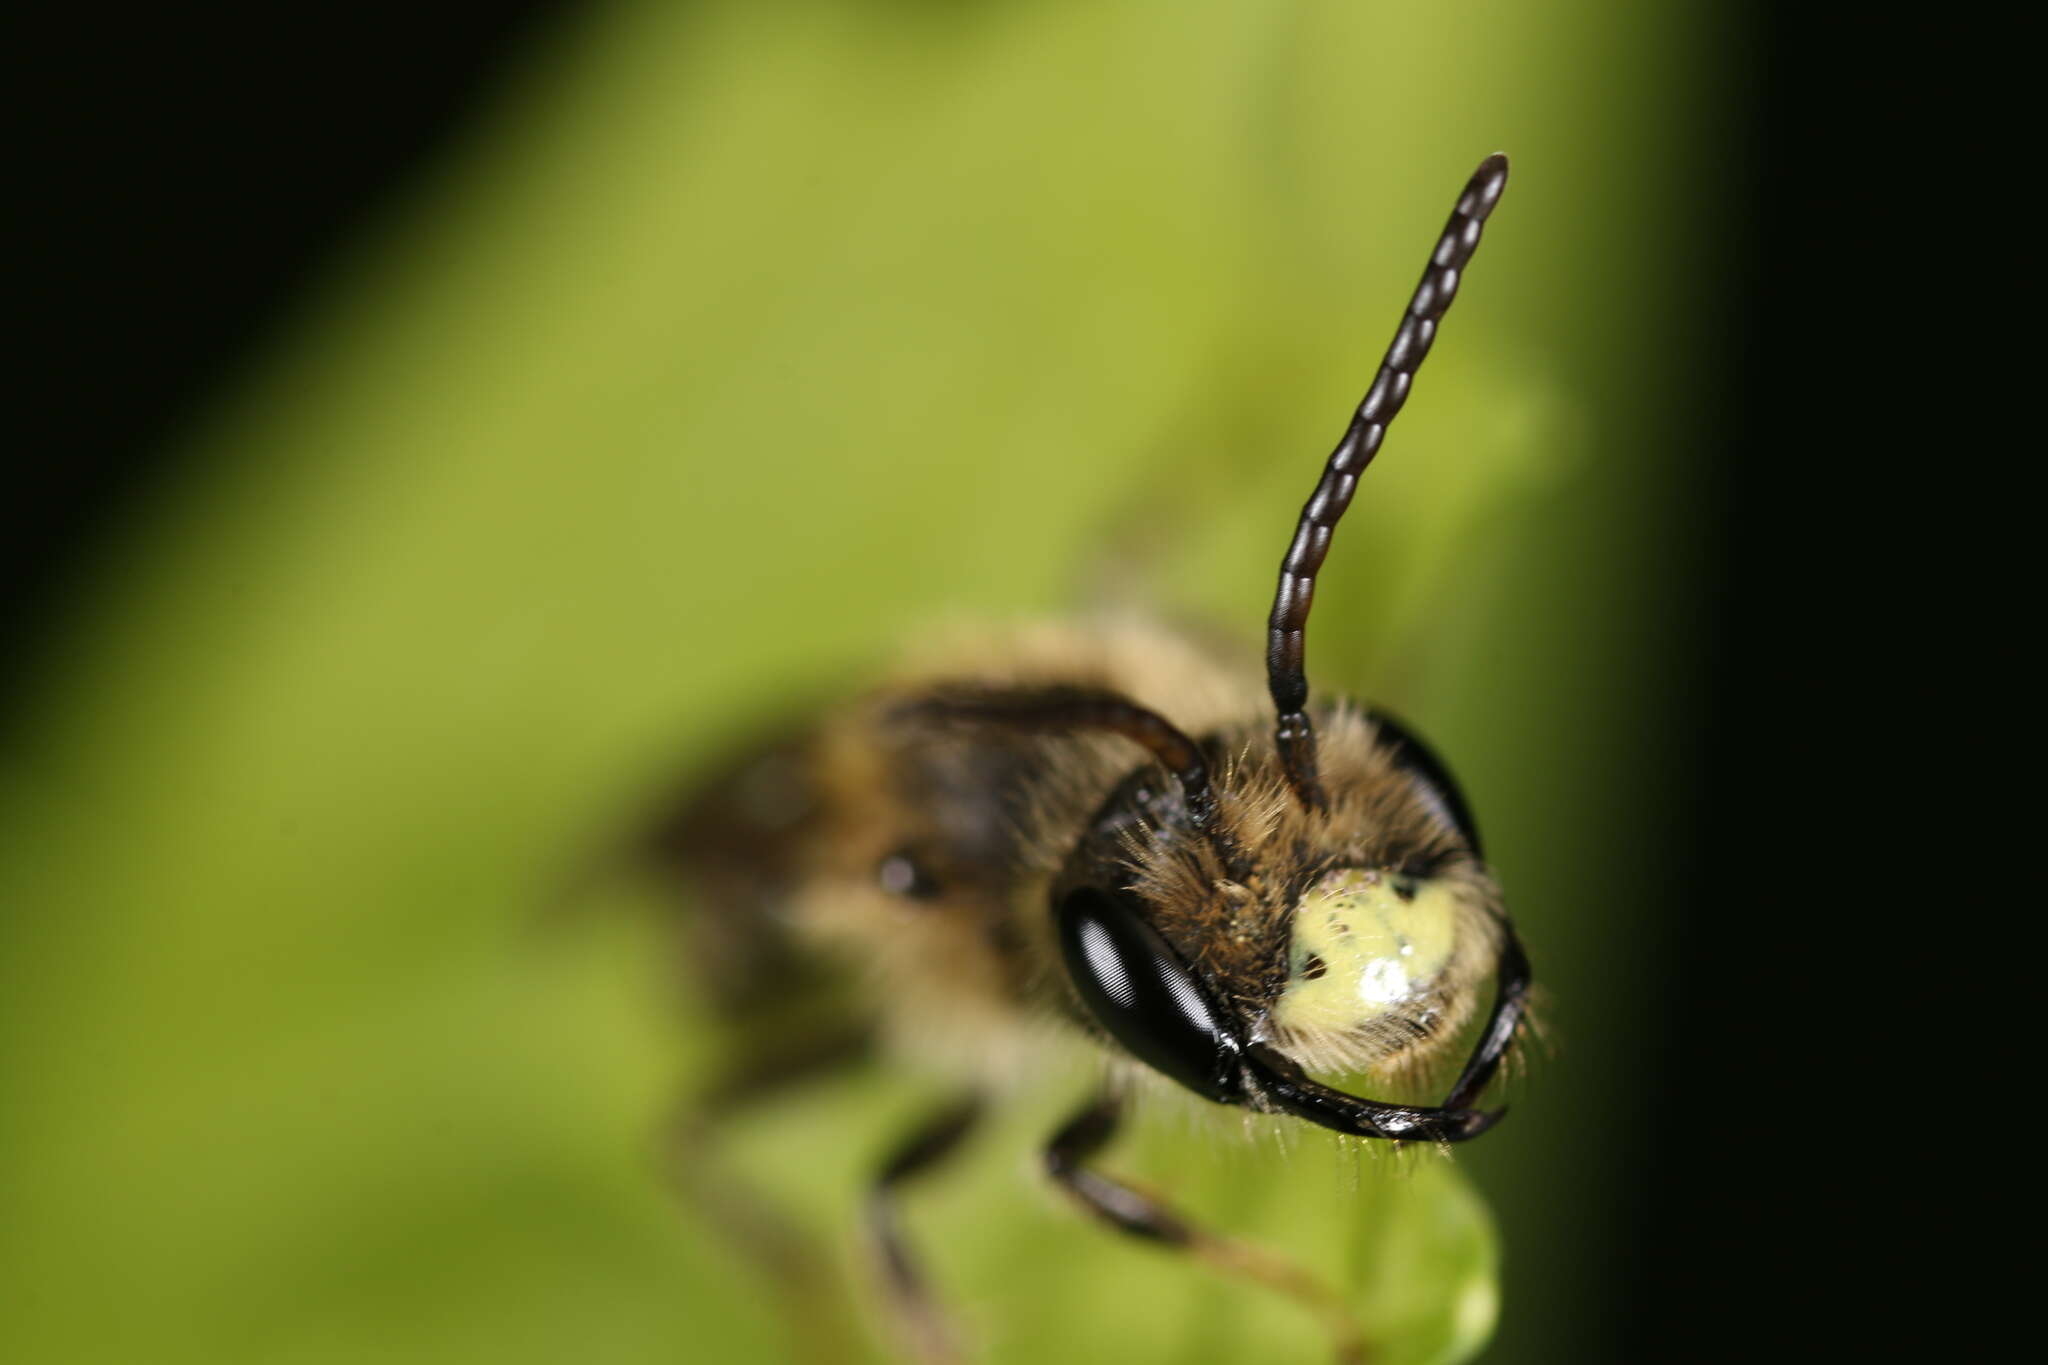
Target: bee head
x,y
1233,939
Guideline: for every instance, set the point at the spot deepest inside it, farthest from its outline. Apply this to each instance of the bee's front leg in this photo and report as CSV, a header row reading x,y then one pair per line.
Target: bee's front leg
x,y
748,1220
930,1338
1143,1214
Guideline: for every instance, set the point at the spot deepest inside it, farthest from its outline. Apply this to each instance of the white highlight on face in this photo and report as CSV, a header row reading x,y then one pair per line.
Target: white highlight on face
x,y
1366,944
1384,980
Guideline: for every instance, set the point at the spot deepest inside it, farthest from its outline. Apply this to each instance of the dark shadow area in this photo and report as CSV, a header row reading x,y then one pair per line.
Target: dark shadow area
x,y
184,173
1790,1206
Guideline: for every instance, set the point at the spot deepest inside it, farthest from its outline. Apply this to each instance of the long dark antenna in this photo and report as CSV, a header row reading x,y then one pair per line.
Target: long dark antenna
x,y
1287,628
1065,709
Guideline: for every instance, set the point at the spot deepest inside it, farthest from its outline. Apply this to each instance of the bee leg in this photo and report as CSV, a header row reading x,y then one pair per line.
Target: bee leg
x,y
1140,1213
750,1222
931,1340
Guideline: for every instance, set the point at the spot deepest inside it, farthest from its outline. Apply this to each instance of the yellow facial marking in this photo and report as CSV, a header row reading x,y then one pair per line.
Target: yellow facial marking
x,y
1365,943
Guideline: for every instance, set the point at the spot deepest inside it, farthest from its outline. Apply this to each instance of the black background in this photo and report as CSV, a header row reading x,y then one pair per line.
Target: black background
x,y
1804,1090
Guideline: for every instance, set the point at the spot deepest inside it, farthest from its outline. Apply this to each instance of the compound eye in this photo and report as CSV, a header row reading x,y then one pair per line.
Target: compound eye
x,y
1433,781
1138,989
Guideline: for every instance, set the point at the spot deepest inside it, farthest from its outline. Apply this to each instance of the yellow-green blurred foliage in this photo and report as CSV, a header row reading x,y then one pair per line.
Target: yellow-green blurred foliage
x,y
733,342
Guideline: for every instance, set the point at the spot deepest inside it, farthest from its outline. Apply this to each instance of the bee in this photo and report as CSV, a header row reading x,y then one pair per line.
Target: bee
x,y
1101,831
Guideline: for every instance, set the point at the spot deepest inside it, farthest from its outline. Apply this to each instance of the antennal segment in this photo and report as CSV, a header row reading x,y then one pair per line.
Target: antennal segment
x,y
1287,628
1061,710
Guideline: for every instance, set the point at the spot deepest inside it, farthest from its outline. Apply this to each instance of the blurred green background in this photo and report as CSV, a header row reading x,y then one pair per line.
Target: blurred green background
x,y
729,345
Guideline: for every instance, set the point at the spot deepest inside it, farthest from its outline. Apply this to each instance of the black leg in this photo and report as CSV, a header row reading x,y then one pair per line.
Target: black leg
x,y
909,1292
1142,1214
754,1226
